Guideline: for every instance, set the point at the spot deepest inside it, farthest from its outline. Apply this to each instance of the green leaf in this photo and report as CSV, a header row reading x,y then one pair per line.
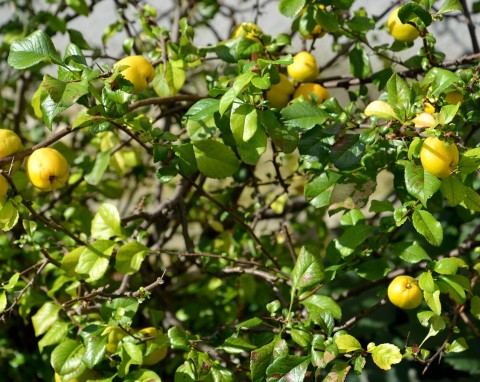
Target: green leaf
x,y
449,265
373,269
45,317
260,359
301,336
289,368
232,93
95,345
400,96
472,199
31,50
347,343
106,222
94,259
143,375
428,226
450,6
70,261
203,109
131,354
411,10
119,311
318,190
453,190
50,109
351,238
440,80
66,359
169,78
347,151
79,6
410,252
475,307
243,122
285,138
303,115
8,216
457,346
64,93
236,345
317,304
187,164
12,282
3,301
455,286
56,333
359,62
179,339
251,151
130,257
308,270
426,282
102,160
385,355
433,301
291,8
338,372
214,159
420,183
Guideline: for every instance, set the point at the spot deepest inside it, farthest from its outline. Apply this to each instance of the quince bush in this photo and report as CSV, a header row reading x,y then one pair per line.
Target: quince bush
x,y
200,222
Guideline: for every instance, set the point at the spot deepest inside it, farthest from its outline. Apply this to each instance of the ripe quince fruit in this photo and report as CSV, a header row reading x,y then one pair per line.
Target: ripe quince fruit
x,y
47,169
400,31
10,143
248,30
438,157
304,90
304,67
279,94
138,70
156,355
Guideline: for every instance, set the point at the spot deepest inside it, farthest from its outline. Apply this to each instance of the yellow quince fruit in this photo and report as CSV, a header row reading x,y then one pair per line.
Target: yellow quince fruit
x,y
47,169
138,70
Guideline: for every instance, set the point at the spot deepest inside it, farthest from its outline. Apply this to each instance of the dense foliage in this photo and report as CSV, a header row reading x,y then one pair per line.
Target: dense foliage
x,y
209,232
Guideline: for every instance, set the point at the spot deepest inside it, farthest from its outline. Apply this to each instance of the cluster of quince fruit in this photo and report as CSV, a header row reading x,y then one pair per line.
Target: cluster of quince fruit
x,y
438,155
304,71
46,168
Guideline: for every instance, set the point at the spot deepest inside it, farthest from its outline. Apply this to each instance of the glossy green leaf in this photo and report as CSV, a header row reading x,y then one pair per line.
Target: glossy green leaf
x,y
410,252
102,161
400,96
290,368
56,334
106,222
94,259
303,115
214,159
130,257
66,359
429,227
385,355
359,62
260,360
119,311
243,122
420,183
31,50
45,317
347,343
453,190
308,270
291,8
